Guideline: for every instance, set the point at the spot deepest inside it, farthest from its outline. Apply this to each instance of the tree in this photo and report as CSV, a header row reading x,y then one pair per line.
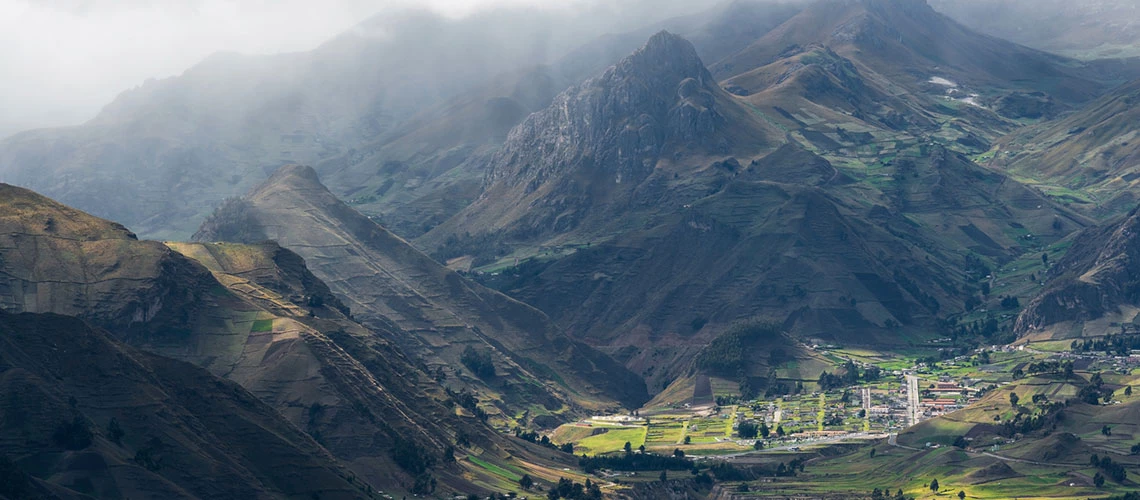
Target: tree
x,y
764,430
688,439
934,485
628,447
664,476
1106,430
961,495
748,430
1013,399
780,430
114,431
526,482
479,362
758,445
1128,391
1098,480
1018,373
72,435
424,485
678,453
1045,259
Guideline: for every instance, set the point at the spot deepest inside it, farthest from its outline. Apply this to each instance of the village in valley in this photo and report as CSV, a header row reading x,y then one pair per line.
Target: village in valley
x,y
886,397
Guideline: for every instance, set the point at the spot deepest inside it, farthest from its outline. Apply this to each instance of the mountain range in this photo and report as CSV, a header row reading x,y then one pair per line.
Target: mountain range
x,y
388,276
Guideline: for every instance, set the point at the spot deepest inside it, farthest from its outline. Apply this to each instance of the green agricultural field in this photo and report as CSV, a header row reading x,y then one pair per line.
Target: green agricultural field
x,y
665,433
613,440
509,475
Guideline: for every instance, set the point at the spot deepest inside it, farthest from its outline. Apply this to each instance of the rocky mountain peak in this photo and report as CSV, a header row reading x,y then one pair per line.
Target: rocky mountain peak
x,y
620,121
665,54
294,173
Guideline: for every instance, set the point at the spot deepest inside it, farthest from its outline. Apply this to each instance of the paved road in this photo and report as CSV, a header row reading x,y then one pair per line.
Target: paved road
x,y
912,398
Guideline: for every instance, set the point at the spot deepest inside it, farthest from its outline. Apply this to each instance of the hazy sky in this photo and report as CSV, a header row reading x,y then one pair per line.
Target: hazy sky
x,y
61,60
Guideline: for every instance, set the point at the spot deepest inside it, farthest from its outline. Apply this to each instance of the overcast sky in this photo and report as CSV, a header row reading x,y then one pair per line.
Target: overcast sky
x,y
62,60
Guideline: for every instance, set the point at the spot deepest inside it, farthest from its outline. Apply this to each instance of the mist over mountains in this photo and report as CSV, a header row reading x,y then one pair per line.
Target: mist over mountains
x,y
562,250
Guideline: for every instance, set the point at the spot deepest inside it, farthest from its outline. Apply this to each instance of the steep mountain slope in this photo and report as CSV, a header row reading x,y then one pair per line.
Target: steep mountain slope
x,y
1093,151
660,103
1093,286
647,209
393,287
83,412
259,318
429,167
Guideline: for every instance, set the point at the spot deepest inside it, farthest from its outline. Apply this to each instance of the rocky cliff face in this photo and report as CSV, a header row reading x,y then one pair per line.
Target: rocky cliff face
x,y
1100,273
597,150
620,122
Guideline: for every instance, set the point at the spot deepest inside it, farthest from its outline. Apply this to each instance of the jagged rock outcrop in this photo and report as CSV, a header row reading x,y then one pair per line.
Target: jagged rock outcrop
x,y
620,122
1100,273
597,150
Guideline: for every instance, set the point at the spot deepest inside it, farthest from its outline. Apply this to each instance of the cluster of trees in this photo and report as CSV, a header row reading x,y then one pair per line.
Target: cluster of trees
x,y
1010,302
851,376
485,248
535,438
978,328
479,362
73,435
574,491
1095,391
885,494
1041,367
1114,470
732,400
410,456
1113,344
1025,421
727,355
750,429
468,401
634,462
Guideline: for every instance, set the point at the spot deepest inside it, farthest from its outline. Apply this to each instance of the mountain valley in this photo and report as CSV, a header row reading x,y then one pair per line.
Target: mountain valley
x,y
768,249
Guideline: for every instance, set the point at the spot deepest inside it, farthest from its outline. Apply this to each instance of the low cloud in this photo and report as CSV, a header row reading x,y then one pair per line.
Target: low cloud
x,y
64,59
